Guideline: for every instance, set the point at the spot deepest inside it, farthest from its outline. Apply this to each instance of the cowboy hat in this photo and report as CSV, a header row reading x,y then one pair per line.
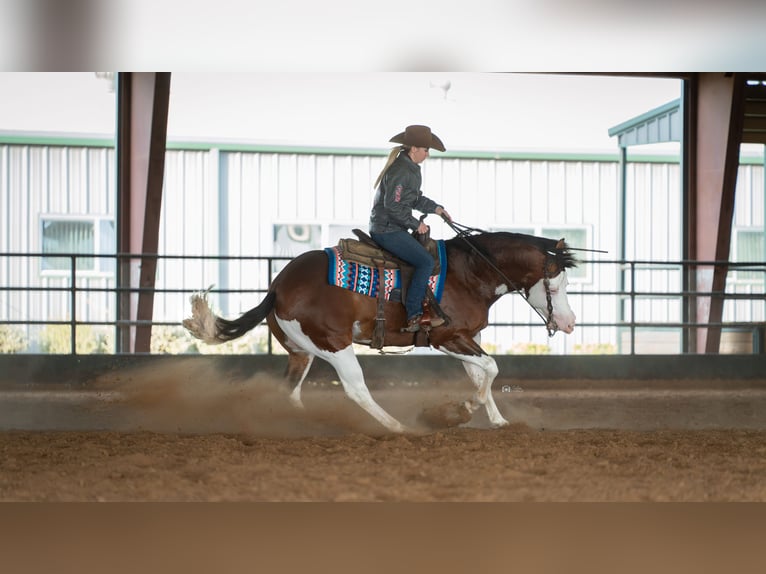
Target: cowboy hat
x,y
418,136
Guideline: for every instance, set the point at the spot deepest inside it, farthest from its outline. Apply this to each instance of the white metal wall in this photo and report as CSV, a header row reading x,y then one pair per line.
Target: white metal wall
x,y
226,203
40,181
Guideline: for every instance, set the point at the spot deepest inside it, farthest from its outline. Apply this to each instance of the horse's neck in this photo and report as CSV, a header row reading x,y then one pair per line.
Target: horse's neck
x,y
500,268
477,276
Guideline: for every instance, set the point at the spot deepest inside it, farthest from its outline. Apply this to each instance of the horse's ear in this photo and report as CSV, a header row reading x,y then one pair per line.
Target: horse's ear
x,y
560,244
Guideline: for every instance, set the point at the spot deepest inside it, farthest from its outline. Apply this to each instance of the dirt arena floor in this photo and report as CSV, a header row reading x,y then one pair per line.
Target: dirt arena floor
x,y
180,434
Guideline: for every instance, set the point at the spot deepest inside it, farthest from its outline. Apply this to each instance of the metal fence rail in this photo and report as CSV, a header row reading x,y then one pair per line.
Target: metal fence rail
x,y
628,286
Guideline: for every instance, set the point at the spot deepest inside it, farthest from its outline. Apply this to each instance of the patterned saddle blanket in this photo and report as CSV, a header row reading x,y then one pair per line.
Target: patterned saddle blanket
x,y
364,279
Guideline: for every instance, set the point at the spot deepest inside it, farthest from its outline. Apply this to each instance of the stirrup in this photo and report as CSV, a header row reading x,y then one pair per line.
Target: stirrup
x,y
430,320
437,321
413,325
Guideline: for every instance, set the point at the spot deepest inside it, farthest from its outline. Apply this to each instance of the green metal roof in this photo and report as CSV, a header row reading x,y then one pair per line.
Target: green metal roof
x,y
660,125
83,140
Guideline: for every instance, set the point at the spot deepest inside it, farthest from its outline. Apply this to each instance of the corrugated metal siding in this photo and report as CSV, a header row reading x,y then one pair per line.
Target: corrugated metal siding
x,y
228,202
39,181
482,193
748,213
189,225
653,233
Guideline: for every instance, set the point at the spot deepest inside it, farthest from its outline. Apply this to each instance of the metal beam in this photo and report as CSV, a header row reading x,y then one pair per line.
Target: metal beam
x,y
143,100
717,111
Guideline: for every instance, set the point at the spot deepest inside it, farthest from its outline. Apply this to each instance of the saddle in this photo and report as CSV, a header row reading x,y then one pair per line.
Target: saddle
x,y
366,252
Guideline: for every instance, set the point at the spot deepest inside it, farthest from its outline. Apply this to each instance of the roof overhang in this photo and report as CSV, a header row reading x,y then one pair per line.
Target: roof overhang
x,y
664,124
660,125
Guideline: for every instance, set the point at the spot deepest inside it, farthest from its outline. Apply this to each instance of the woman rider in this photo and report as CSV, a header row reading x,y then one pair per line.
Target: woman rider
x,y
398,193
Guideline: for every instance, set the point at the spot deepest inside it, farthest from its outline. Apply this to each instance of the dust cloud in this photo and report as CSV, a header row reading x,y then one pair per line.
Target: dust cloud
x,y
184,397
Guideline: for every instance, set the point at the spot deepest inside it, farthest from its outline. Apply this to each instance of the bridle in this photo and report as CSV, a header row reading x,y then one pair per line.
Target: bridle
x,y
464,232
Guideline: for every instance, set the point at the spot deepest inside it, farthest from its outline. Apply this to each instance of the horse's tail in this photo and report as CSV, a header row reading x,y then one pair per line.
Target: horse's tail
x,y
214,330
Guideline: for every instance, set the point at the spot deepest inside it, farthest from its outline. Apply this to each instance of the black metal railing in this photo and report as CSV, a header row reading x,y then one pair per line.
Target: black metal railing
x,y
25,274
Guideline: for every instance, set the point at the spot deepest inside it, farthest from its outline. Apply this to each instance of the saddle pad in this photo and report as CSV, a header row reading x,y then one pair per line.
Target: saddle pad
x,y
363,279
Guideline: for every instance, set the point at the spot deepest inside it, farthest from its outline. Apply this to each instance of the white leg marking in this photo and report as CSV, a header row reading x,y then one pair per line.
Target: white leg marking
x,y
482,370
351,377
295,396
349,372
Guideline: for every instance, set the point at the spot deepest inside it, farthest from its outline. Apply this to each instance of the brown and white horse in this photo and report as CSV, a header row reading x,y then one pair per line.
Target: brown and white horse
x,y
311,318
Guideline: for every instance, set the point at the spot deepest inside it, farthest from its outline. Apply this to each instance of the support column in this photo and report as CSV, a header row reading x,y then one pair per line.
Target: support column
x,y
718,112
141,136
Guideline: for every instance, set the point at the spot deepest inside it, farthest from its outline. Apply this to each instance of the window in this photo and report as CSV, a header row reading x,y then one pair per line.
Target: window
x,y
575,236
749,248
292,239
80,236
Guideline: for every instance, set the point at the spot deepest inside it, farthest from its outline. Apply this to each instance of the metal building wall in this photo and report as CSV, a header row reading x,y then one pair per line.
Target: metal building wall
x,y
484,193
220,202
189,225
57,181
749,212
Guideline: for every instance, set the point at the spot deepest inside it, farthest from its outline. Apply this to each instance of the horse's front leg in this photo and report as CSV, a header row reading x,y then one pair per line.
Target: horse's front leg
x,y
482,370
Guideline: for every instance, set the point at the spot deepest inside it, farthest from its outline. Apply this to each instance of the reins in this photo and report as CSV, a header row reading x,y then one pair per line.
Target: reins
x,y
463,232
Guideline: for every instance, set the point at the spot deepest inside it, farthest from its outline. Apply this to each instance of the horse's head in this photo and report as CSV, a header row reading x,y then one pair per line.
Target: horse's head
x,y
535,266
547,292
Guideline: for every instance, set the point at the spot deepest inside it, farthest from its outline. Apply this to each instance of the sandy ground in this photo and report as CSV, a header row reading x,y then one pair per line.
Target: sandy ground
x,y
178,435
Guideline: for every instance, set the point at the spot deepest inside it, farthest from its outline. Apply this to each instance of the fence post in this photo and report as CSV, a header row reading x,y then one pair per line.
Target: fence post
x,y
73,317
632,307
268,332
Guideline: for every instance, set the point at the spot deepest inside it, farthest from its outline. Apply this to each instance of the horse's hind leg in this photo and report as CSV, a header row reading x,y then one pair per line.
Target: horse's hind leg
x,y
343,361
482,370
483,373
351,377
298,365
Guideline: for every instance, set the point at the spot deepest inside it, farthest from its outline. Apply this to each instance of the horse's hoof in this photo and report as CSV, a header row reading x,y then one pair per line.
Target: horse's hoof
x,y
297,403
398,429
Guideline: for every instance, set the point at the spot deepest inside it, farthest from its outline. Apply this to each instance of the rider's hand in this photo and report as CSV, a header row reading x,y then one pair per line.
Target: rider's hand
x,y
443,213
422,228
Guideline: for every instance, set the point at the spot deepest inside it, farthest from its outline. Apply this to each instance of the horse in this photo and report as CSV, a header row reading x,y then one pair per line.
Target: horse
x,y
312,318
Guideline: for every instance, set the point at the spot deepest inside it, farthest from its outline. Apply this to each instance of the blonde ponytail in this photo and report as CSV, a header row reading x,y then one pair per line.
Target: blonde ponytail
x,y
391,158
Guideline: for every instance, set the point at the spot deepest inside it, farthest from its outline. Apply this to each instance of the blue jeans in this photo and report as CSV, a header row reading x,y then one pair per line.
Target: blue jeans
x,y
407,248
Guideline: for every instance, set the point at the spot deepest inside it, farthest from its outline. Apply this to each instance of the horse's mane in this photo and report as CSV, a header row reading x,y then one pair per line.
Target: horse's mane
x,y
562,256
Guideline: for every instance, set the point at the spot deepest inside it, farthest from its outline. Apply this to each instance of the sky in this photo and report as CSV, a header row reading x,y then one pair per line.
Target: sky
x,y
468,110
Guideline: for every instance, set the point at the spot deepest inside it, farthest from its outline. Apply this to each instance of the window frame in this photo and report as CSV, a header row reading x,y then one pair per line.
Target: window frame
x,y
324,235
742,276
100,264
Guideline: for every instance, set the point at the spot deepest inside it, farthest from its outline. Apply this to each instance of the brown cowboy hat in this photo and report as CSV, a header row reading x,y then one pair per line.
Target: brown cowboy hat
x,y
418,136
